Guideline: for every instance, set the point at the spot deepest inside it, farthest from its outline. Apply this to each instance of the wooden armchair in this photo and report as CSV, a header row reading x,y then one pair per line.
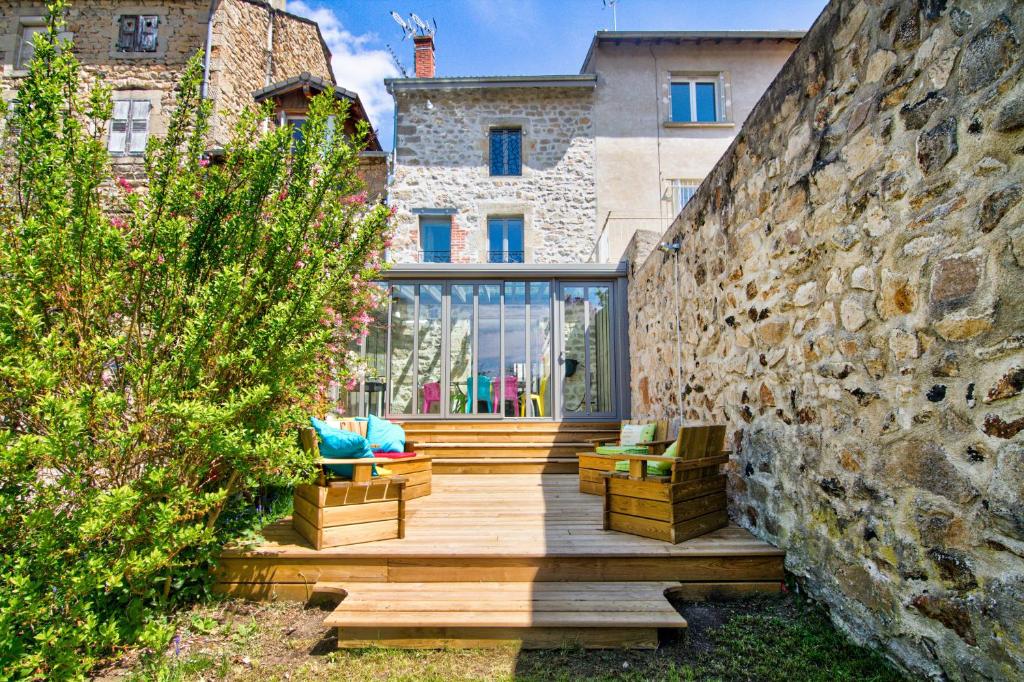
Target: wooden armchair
x,y
592,465
344,511
686,502
418,469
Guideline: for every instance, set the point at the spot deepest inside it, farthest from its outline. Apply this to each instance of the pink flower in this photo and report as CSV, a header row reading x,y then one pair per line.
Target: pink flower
x,y
392,211
119,223
351,384
203,163
125,185
362,318
355,199
299,265
160,259
283,194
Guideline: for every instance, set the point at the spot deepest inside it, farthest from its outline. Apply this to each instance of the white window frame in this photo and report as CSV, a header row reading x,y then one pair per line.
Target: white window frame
x,y
679,188
132,140
692,82
137,37
26,24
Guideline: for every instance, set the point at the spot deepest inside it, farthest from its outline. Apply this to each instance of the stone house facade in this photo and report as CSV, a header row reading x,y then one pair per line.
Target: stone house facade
x,y
442,166
139,48
847,296
603,153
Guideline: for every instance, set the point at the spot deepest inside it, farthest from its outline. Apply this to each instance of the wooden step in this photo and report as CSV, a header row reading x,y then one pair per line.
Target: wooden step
x,y
501,449
476,425
530,614
506,465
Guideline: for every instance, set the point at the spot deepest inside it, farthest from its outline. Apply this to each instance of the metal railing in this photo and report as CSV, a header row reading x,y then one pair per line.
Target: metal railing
x,y
435,256
505,257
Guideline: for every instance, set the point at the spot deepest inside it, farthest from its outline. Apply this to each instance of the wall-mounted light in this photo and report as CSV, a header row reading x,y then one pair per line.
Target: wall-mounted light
x,y
672,247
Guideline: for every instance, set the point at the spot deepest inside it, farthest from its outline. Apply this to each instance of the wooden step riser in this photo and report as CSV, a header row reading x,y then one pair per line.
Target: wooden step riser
x,y
498,437
508,426
256,571
476,452
486,638
497,466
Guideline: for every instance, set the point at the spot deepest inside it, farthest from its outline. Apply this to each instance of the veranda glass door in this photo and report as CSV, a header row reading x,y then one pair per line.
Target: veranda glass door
x,y
586,353
471,349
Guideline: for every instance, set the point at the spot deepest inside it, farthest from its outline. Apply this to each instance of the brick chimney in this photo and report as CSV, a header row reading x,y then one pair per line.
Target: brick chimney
x,y
424,55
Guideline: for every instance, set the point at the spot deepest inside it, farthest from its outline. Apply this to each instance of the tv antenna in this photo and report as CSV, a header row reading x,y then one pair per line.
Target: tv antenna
x,y
407,30
615,14
425,28
397,62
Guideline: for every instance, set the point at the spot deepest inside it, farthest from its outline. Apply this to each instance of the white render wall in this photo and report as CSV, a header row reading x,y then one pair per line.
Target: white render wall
x,y
442,163
637,154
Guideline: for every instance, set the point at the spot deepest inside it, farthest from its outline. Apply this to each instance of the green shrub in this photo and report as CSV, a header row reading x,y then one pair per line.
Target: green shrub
x,y
159,342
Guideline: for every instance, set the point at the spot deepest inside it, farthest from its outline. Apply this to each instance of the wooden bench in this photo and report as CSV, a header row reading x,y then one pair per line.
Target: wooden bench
x,y
688,502
592,465
336,512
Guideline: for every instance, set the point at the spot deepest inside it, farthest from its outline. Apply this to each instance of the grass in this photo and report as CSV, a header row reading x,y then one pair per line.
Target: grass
x,y
766,638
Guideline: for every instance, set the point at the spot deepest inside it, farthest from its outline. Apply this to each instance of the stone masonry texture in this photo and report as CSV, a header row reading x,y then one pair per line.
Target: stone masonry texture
x,y
441,162
850,303
239,57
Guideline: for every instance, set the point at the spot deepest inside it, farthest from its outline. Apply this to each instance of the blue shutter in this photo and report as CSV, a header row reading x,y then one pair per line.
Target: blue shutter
x,y
497,152
514,152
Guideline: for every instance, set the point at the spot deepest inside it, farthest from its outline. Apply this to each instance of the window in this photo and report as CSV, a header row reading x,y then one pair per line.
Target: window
x,y
129,128
296,122
506,151
436,240
505,240
26,46
137,33
694,101
682,192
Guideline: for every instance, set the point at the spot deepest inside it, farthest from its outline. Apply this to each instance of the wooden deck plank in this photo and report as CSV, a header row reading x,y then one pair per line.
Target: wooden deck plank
x,y
502,527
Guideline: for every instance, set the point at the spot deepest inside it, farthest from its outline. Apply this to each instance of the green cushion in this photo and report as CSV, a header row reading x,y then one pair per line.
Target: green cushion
x,y
672,450
653,468
621,450
632,434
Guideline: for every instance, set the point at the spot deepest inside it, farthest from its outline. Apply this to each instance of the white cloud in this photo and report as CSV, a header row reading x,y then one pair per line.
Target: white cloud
x,y
358,65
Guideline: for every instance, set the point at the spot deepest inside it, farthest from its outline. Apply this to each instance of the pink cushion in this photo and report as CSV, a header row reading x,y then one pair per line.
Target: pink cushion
x,y
394,455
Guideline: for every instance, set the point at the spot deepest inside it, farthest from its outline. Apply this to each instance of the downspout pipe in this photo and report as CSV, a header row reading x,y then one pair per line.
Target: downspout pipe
x,y
206,52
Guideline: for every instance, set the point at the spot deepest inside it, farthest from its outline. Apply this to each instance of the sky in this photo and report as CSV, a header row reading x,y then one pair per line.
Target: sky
x,y
512,37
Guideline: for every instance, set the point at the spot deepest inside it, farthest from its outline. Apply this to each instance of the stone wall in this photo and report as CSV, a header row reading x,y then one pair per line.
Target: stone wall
x,y
93,28
442,163
850,304
240,64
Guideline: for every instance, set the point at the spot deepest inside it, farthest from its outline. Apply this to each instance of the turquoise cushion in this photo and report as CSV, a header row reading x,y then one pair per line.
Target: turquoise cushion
x,y
337,443
384,435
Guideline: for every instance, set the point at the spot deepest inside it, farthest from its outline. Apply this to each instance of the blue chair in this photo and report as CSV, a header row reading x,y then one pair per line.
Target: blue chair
x,y
483,394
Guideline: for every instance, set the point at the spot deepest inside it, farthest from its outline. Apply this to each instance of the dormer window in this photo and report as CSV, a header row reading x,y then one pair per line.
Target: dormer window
x,y
137,32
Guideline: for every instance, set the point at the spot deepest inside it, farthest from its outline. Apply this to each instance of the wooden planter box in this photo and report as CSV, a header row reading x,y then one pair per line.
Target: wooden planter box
x,y
346,513
671,512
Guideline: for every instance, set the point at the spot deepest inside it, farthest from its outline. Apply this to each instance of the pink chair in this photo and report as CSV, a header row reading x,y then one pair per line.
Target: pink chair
x,y
511,393
431,394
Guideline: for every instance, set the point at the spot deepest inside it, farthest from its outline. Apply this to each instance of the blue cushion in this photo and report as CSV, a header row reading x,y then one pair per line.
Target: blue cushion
x,y
384,435
337,443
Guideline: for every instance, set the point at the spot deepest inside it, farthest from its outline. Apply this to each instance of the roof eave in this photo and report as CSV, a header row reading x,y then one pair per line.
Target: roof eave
x,y
694,36
585,81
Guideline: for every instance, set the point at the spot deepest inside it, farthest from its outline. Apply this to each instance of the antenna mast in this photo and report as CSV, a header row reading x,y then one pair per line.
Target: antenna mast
x,y
615,13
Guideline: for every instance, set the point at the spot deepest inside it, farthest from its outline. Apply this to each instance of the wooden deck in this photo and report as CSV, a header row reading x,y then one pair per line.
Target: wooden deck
x,y
502,528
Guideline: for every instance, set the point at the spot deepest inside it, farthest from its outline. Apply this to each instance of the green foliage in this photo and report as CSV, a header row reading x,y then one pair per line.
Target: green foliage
x,y
160,339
